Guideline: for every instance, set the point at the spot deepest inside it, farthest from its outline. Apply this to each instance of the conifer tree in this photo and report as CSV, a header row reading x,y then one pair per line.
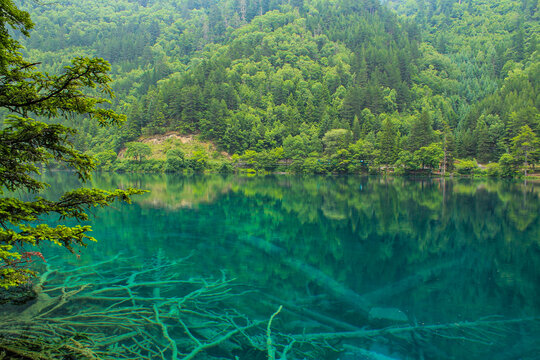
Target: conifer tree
x,y
448,147
356,129
388,142
26,144
421,132
483,146
525,147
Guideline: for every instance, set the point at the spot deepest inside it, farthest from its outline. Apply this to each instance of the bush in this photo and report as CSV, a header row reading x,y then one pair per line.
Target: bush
x,y
174,164
175,153
121,166
493,170
149,166
467,167
225,168
199,160
175,161
509,166
406,162
314,165
296,166
105,157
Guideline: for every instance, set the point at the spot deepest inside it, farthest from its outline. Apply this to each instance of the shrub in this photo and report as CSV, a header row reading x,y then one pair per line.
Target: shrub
x,y
199,160
225,168
509,166
493,170
467,167
105,159
175,161
175,153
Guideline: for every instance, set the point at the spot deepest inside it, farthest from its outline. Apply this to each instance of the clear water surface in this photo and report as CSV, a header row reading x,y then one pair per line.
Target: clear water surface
x,y
344,254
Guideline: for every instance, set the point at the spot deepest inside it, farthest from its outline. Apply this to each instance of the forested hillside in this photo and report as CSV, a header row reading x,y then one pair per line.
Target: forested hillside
x,y
340,86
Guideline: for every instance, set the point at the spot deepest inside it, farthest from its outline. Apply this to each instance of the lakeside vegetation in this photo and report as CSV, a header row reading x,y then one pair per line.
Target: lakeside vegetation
x,y
170,156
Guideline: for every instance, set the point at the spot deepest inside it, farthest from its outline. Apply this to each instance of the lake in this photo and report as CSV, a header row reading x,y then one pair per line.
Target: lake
x,y
450,269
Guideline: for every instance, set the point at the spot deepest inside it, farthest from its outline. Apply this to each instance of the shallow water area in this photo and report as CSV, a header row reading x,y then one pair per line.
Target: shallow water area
x,y
363,267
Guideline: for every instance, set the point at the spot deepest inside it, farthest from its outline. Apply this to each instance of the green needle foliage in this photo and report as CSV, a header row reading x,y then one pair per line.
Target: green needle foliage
x,y
26,144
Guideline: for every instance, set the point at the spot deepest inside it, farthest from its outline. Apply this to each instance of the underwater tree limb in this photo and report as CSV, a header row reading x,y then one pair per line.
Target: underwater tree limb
x,y
218,341
107,310
110,312
495,326
269,347
165,332
323,319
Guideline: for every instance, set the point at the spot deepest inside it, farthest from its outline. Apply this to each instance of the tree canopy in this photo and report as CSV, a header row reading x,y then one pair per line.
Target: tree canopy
x,y
256,76
26,144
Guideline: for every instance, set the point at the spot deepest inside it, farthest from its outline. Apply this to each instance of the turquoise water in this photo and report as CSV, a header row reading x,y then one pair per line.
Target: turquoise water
x,y
341,255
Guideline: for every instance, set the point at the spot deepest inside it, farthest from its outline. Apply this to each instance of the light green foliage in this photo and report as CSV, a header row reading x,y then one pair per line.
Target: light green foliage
x,y
407,161
175,161
336,139
264,160
198,160
314,165
26,143
105,159
294,147
138,150
493,170
526,146
467,167
341,161
250,158
430,156
362,150
509,166
175,153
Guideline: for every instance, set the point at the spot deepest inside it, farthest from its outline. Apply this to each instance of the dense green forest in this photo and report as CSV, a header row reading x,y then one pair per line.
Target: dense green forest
x,y
311,86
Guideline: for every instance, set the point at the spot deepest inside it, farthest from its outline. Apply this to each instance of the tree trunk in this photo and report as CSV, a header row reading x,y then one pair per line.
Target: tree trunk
x,y
526,164
445,154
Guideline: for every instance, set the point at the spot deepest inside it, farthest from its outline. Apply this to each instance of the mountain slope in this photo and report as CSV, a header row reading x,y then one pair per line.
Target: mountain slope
x,y
258,75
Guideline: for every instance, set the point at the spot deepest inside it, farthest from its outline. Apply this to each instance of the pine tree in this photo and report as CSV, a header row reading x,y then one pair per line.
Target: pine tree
x,y
421,132
483,144
356,129
388,142
26,144
448,147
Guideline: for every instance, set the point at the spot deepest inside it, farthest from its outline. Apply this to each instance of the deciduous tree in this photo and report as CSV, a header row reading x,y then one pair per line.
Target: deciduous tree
x,y
138,150
525,146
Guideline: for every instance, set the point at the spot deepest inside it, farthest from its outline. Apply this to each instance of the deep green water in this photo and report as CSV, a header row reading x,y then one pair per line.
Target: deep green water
x,y
427,251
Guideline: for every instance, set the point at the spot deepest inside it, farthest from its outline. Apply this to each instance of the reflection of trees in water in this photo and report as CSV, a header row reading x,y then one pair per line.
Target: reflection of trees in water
x,y
440,250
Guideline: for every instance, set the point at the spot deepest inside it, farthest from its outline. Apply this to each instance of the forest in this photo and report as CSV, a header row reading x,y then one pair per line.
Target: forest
x,y
342,86
234,266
